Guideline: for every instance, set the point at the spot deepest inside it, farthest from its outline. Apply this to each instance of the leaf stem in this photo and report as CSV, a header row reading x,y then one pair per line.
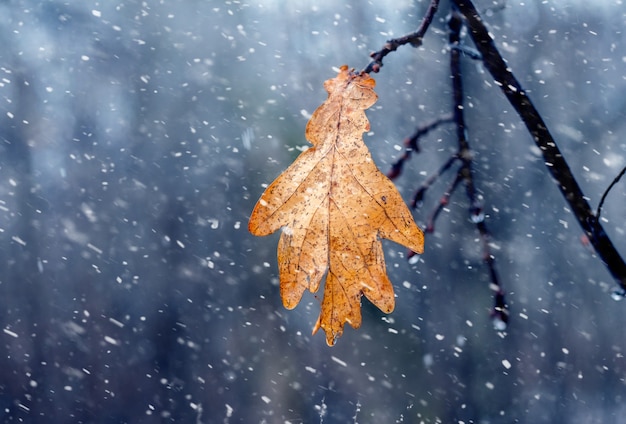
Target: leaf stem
x,y
413,38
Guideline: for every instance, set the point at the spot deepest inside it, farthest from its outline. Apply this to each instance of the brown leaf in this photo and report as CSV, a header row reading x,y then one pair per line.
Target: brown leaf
x,y
334,206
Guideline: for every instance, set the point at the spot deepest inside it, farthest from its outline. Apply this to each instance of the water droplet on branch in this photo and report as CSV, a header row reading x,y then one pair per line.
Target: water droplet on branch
x,y
618,295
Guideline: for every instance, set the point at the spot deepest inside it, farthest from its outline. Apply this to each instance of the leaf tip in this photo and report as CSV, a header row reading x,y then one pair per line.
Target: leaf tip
x,y
331,336
252,227
289,303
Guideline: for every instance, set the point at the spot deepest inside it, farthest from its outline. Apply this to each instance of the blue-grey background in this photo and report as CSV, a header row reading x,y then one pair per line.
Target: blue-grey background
x,y
135,138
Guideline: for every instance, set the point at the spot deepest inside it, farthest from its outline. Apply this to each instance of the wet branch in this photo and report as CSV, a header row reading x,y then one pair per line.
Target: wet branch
x,y
553,158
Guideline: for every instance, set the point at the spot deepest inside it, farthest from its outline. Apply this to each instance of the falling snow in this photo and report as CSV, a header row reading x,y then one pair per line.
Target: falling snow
x,y
136,137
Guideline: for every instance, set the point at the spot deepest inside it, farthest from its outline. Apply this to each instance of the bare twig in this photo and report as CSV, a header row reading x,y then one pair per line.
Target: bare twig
x,y
411,144
499,313
606,192
443,202
418,198
414,39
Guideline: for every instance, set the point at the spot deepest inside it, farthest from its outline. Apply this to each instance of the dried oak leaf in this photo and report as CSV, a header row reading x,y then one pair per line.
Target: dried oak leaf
x,y
334,206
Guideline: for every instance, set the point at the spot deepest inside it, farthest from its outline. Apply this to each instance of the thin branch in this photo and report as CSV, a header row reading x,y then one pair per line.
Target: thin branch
x,y
606,192
553,158
411,144
443,202
418,198
499,312
414,39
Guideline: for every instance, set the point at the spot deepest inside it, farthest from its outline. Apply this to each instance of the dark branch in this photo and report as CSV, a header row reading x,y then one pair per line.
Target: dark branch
x,y
411,144
606,192
553,158
414,39
499,313
443,202
418,198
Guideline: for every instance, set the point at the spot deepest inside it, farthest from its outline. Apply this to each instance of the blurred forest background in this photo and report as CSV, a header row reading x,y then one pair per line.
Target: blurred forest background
x,y
135,138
